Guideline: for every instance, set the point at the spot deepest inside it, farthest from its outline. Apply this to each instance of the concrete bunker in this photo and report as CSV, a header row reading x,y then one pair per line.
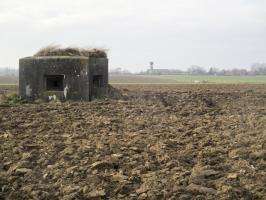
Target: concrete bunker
x,y
64,74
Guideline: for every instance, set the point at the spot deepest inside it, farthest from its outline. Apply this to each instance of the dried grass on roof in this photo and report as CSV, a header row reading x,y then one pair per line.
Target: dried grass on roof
x,y
53,50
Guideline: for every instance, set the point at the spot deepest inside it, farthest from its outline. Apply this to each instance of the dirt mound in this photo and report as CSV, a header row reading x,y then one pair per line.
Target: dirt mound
x,y
158,142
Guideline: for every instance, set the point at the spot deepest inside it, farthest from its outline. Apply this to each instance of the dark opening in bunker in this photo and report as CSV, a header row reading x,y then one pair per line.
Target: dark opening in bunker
x,y
97,80
54,82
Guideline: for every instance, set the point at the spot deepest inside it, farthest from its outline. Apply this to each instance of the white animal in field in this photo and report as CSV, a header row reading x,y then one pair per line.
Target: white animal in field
x,y
196,81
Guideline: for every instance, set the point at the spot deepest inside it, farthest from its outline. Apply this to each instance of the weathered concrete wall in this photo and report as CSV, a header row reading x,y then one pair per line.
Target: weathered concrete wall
x,y
98,67
79,75
33,72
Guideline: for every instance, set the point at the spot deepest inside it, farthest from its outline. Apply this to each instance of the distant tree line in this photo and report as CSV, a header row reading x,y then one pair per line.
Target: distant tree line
x,y
9,72
119,71
255,69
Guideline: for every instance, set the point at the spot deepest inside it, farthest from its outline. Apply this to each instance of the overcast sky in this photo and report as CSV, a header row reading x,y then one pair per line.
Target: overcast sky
x,y
172,33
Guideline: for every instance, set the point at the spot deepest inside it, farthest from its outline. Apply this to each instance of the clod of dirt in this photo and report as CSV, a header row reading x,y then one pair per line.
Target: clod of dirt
x,y
99,165
200,189
96,193
200,175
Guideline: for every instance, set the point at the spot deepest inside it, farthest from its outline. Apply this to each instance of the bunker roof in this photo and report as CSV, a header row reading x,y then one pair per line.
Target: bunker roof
x,y
56,57
71,51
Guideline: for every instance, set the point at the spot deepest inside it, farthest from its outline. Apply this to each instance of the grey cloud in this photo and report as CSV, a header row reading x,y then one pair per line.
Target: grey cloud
x,y
173,33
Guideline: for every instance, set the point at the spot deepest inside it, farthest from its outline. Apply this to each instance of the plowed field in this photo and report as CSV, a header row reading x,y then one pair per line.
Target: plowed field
x,y
149,142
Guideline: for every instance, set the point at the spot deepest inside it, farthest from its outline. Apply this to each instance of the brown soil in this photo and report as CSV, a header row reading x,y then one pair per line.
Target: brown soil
x,y
156,142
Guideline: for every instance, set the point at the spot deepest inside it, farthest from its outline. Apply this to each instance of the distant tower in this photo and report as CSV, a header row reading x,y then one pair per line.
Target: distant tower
x,y
151,65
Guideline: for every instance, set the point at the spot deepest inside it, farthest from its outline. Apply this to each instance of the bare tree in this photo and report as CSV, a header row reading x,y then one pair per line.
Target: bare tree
x,y
194,69
258,69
